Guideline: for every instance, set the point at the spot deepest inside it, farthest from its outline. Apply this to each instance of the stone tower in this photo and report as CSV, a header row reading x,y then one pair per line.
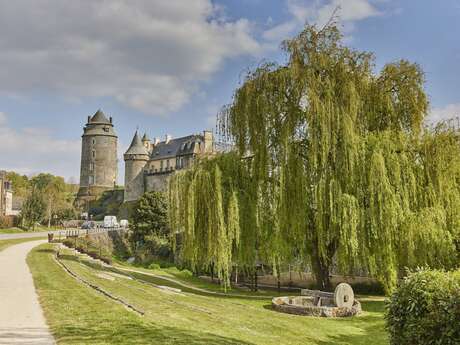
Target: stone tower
x,y
98,171
136,158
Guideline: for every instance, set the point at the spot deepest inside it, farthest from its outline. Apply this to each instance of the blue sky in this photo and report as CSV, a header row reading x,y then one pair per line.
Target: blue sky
x,y
168,66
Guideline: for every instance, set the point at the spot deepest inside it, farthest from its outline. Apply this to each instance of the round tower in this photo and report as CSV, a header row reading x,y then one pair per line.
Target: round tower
x,y
136,158
98,171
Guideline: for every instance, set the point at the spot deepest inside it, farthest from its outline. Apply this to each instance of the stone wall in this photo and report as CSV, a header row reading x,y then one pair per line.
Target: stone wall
x,y
156,182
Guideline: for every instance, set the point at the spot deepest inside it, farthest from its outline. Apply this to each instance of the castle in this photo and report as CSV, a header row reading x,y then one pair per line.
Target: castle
x,y
148,163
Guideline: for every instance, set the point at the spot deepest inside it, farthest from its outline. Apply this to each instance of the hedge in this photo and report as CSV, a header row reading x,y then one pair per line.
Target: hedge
x,y
425,309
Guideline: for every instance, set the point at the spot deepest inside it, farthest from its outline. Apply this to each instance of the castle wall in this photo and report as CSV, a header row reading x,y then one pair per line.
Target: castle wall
x,y
156,182
134,179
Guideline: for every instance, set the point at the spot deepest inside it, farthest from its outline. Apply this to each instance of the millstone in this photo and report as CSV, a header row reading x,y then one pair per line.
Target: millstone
x,y
344,296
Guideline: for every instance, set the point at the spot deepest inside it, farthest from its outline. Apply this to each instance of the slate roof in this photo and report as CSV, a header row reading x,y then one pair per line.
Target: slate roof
x,y
145,137
176,147
136,147
99,117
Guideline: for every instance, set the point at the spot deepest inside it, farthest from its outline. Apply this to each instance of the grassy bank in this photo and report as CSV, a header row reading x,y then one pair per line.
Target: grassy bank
x,y
79,315
6,243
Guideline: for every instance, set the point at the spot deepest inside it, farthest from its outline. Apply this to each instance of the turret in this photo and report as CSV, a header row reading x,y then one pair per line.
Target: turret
x,y
136,157
147,142
98,170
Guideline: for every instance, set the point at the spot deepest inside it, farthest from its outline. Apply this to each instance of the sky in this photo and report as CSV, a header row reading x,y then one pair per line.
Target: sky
x,y
168,66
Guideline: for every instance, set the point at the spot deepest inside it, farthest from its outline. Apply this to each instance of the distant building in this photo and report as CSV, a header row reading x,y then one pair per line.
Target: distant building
x,y
6,196
148,164
99,163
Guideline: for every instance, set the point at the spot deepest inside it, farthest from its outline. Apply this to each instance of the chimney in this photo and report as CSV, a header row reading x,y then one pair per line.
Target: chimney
x,y
168,138
111,119
156,141
89,119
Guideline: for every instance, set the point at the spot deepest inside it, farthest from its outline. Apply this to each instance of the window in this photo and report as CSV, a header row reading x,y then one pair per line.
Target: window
x,y
161,166
91,180
167,164
91,166
94,141
106,129
94,154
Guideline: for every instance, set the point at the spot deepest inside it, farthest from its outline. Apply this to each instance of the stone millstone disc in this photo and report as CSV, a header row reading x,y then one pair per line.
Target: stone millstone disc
x,y
344,296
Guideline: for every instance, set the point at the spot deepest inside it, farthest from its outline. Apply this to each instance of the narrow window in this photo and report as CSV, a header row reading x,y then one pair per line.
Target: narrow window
x,y
91,166
94,154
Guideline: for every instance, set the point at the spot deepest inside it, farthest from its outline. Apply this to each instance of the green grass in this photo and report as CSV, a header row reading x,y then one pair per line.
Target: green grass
x,y
21,231
79,315
6,243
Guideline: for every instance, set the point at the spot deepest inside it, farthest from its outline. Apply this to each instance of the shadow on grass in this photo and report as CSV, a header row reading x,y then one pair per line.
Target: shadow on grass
x,y
130,332
43,250
156,280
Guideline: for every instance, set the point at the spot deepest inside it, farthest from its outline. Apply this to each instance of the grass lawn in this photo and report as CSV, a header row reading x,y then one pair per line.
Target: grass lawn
x,y
20,231
79,315
6,243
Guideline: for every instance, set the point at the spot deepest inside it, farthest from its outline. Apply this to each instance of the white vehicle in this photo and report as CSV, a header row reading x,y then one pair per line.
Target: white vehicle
x,y
110,222
124,223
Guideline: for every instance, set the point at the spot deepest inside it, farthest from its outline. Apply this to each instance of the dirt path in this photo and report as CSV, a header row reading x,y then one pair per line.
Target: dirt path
x,y
21,317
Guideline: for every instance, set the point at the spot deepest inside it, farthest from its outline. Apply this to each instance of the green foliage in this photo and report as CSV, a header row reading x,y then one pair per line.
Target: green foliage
x,y
20,183
425,309
154,266
333,166
150,216
34,208
150,231
109,203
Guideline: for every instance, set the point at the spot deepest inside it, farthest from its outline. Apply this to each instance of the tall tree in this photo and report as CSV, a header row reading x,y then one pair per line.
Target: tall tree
x,y
340,168
33,209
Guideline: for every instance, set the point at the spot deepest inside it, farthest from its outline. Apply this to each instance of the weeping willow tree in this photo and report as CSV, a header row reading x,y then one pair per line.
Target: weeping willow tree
x,y
341,170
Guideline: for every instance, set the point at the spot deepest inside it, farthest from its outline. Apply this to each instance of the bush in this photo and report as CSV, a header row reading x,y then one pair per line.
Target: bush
x,y
154,267
6,222
425,309
186,273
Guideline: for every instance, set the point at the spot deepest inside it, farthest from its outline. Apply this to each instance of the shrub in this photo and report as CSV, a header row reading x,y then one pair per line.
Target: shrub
x,y
6,222
425,309
154,267
186,273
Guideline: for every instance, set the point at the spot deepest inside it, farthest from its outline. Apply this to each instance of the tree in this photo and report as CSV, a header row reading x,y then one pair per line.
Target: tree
x,y
340,169
150,217
54,191
33,209
20,183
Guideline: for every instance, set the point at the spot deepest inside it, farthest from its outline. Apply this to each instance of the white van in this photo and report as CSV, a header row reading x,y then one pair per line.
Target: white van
x,y
124,223
110,222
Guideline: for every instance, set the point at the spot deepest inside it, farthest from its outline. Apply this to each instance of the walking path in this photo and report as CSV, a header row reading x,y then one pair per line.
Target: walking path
x,y
25,235
21,317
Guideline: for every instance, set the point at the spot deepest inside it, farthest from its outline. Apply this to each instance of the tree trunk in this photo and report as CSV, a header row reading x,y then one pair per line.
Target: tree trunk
x,y
322,274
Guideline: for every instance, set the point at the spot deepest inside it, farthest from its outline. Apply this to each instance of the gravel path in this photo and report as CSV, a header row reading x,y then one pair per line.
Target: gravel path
x,y
21,317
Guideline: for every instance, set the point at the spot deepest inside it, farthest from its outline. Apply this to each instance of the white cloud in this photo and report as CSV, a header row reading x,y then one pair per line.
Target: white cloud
x,y
447,112
2,118
319,12
147,54
33,150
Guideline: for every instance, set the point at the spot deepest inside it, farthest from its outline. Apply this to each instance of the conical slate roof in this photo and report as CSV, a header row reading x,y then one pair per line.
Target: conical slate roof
x,y
99,117
145,137
136,147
